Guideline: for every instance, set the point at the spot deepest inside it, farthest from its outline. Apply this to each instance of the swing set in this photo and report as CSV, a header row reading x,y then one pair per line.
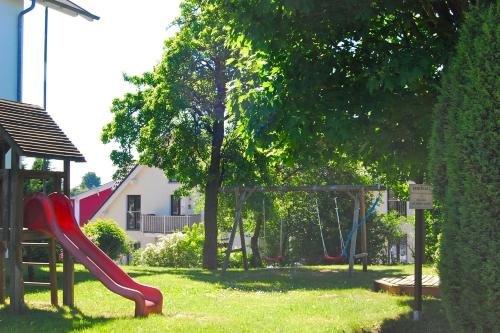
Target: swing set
x,y
274,260
348,247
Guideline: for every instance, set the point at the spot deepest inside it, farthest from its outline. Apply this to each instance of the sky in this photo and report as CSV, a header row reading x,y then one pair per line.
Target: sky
x,y
86,62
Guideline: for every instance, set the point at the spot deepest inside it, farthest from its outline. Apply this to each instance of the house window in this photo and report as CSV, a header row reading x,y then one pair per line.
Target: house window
x,y
175,205
133,212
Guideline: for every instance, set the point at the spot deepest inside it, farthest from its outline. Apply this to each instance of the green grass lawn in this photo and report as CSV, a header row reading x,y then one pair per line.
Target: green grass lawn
x,y
305,299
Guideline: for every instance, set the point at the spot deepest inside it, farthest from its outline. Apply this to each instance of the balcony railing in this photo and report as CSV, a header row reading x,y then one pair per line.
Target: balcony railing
x,y
167,224
397,205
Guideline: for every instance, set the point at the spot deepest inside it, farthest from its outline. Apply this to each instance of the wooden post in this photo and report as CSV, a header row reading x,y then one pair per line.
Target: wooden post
x,y
4,218
53,271
362,213
419,257
243,244
68,264
2,272
355,220
57,184
16,282
239,204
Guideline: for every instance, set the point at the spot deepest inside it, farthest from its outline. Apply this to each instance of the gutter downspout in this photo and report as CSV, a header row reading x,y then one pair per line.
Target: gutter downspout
x,y
45,59
20,31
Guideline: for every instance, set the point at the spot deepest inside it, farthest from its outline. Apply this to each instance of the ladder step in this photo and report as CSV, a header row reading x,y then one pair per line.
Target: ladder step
x,y
361,255
31,263
36,284
34,244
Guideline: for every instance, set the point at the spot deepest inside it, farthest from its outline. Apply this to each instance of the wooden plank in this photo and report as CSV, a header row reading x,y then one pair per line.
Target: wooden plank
x,y
36,284
305,188
3,249
406,285
28,244
425,279
35,263
68,263
435,281
355,221
53,272
39,174
243,244
361,255
362,214
233,230
57,184
16,215
30,235
5,214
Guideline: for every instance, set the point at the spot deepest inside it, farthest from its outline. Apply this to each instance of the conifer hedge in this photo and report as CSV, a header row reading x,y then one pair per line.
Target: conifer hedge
x,y
465,170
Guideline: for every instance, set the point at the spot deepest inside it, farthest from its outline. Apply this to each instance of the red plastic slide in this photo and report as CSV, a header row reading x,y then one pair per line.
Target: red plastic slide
x,y
54,215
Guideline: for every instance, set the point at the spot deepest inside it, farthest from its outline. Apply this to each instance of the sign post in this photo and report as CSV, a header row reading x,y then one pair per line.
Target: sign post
x,y
420,199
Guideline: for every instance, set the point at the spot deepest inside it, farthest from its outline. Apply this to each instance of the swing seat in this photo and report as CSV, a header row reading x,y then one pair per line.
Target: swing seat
x,y
274,260
334,258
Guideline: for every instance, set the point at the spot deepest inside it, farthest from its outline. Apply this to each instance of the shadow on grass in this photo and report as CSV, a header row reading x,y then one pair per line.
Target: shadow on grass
x,y
287,279
48,319
433,319
264,279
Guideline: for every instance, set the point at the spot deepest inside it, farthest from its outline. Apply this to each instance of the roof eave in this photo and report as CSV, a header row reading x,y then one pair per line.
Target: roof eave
x,y
68,10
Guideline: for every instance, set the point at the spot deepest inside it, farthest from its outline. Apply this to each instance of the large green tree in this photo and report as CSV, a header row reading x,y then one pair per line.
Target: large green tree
x,y
360,76
177,119
90,180
466,174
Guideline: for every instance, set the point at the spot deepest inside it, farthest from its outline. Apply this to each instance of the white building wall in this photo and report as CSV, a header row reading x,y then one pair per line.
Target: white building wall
x,y
155,191
9,9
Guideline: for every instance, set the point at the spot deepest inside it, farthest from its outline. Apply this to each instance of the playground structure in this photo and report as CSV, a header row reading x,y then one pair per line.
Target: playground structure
x,y
357,192
27,130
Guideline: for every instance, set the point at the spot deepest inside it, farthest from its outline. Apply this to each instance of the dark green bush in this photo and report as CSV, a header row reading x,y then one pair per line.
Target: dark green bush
x,y
465,152
109,237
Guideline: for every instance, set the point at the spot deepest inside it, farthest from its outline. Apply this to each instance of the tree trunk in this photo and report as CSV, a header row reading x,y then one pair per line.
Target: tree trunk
x,y
254,242
211,201
214,171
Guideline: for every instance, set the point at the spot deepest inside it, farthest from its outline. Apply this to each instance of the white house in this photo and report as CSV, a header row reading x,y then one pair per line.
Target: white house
x,y
405,250
144,205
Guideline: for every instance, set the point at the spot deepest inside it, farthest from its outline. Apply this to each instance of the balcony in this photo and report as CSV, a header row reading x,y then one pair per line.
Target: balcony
x,y
397,205
167,224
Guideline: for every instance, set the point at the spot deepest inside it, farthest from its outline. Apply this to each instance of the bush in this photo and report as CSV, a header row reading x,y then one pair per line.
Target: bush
x,y
465,148
384,231
174,250
109,237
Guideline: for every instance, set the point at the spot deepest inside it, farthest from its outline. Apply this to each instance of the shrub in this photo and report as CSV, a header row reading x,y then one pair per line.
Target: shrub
x,y
465,148
175,250
384,231
109,237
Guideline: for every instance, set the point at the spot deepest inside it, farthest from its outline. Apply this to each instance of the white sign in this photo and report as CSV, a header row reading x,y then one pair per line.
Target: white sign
x,y
420,196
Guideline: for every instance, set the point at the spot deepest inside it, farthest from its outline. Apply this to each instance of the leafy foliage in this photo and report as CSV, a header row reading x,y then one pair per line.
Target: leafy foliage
x,y
180,249
37,185
357,76
177,118
89,180
385,231
465,150
109,237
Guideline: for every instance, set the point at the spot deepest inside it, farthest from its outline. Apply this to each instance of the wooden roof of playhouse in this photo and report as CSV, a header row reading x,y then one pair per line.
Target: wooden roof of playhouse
x,y
30,131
